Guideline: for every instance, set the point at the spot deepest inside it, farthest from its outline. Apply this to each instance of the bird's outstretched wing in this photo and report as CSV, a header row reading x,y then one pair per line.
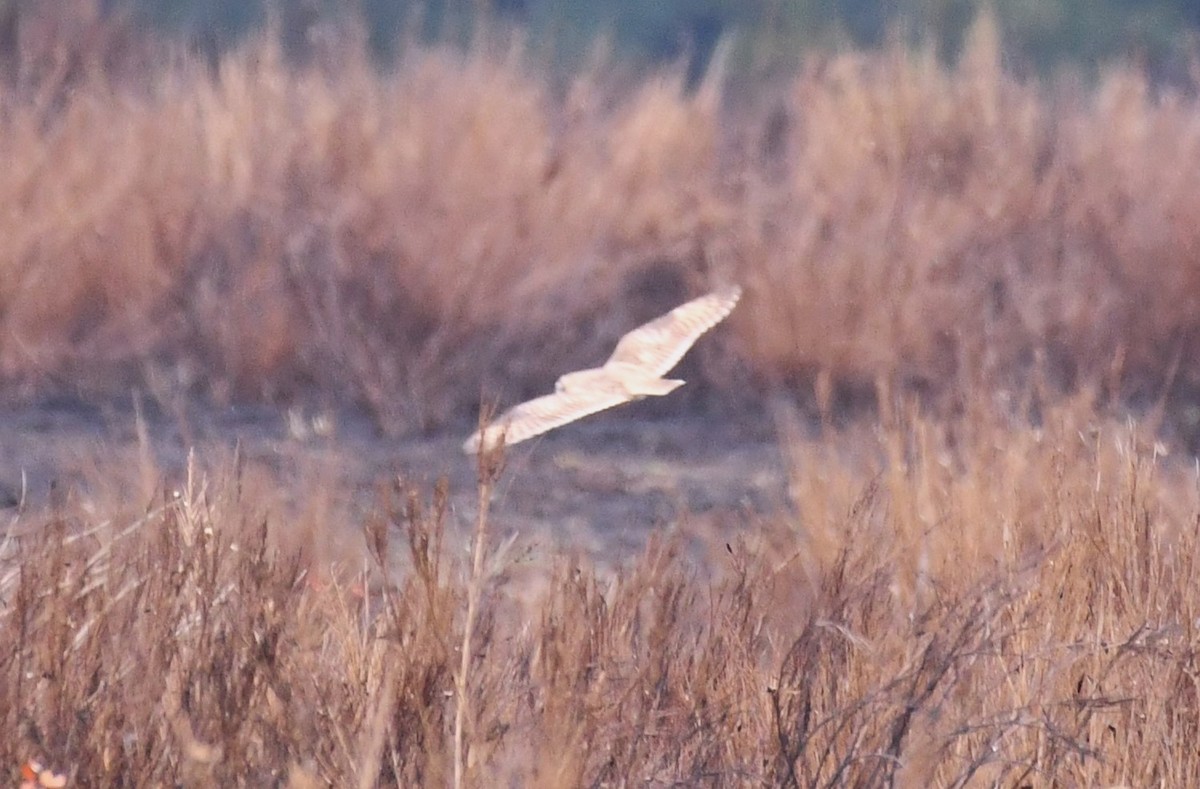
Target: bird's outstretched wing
x,y
534,417
650,350
658,346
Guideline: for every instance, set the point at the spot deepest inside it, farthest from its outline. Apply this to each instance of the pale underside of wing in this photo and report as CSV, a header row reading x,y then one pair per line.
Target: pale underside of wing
x,y
536,416
642,356
657,346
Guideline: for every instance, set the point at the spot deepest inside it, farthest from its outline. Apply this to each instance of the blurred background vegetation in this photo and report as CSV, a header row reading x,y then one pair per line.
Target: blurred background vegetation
x,y
1045,35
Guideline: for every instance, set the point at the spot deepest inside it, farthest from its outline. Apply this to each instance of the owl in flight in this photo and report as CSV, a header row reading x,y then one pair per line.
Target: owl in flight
x,y
635,370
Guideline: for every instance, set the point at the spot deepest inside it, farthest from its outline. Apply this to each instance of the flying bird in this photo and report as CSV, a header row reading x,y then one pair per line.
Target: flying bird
x,y
635,370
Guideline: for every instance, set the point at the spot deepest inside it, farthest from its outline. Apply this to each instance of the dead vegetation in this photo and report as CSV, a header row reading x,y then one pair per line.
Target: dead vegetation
x,y
969,602
1003,594
256,228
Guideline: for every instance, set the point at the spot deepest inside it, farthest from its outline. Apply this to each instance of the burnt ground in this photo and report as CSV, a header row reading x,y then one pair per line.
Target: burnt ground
x,y
597,489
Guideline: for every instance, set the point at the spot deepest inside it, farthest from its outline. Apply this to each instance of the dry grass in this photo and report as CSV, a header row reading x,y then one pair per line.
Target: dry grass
x,y
948,226
966,599
267,229
405,240
949,604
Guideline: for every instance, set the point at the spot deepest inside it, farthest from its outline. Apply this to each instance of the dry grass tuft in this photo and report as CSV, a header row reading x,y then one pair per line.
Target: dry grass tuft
x,y
267,227
946,605
950,226
263,229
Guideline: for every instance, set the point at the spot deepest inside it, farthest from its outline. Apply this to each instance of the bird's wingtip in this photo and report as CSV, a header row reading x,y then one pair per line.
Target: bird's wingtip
x,y
730,293
485,440
471,445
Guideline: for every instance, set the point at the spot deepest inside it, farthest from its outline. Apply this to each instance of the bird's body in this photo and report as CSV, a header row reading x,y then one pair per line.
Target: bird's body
x,y
635,370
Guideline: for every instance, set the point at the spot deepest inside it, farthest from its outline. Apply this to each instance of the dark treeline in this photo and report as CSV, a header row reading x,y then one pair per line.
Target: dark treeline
x,y
1160,34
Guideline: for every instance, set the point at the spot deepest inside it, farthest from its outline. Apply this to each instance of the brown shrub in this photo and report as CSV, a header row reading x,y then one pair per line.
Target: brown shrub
x,y
409,240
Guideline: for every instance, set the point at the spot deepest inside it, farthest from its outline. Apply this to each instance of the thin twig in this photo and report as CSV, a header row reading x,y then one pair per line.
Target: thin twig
x,y
490,462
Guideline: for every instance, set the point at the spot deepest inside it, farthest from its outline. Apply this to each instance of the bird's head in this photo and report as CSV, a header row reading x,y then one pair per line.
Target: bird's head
x,y
575,382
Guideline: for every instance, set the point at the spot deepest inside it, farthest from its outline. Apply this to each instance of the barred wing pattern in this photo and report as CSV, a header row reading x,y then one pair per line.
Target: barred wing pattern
x,y
634,370
658,346
536,416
